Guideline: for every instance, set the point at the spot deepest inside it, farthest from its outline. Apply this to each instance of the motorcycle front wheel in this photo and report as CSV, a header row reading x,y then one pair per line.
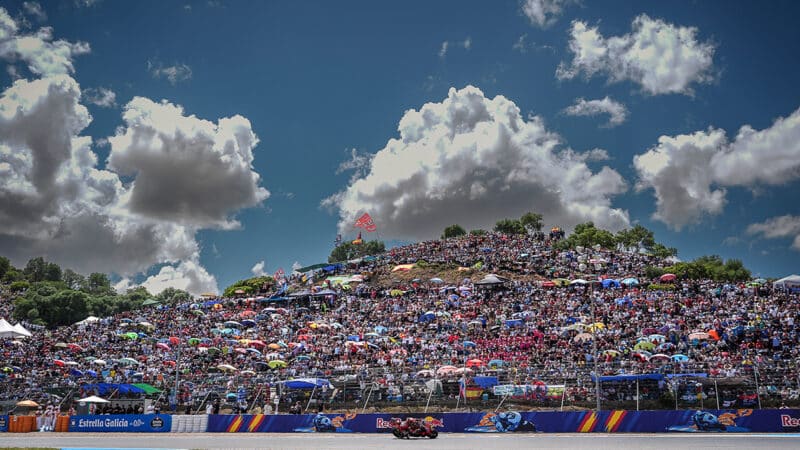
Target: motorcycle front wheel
x,y
433,434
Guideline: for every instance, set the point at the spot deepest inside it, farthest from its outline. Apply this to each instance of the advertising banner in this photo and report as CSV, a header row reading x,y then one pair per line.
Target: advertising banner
x,y
125,423
3,424
613,421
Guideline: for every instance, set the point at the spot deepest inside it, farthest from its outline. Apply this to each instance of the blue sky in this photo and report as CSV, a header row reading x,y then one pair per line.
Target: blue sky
x,y
311,101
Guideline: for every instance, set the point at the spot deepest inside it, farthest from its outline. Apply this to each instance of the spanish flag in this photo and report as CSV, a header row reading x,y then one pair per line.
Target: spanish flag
x,y
358,240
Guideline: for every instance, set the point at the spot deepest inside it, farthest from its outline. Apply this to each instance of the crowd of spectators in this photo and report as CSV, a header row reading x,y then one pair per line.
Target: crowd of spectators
x,y
393,332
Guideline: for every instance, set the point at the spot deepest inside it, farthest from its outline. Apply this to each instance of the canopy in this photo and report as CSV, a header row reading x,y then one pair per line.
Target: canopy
x,y
491,280
93,399
306,383
90,319
790,282
613,378
16,331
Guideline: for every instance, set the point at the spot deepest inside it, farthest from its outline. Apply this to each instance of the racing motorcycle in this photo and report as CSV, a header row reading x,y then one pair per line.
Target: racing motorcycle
x,y
411,427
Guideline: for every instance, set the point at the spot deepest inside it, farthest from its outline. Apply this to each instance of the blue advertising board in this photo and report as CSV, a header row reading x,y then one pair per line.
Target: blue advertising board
x,y
125,423
3,424
614,421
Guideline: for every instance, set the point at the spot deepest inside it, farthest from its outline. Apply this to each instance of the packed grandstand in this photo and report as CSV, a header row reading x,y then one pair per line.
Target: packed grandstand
x,y
474,321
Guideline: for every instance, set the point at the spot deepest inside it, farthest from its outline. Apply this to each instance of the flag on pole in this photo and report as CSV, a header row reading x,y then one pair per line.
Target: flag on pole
x,y
358,240
279,274
365,222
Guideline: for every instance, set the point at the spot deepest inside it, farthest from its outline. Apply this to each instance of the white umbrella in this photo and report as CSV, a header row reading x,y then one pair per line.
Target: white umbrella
x,y
93,399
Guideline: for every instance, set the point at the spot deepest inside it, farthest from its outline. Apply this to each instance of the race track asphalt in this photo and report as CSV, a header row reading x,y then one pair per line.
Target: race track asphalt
x,y
446,441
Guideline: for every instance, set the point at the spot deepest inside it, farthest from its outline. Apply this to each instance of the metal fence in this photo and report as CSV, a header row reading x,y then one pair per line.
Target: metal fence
x,y
380,388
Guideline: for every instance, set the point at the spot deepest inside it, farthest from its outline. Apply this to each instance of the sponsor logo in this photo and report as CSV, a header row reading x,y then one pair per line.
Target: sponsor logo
x,y
157,422
383,423
788,421
3,422
434,422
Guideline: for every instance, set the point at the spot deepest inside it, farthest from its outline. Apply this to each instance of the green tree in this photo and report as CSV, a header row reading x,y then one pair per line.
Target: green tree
x,y
98,284
509,226
12,275
531,221
453,231
347,250
635,237
19,285
5,266
137,294
249,286
587,235
73,280
35,269
477,232
171,295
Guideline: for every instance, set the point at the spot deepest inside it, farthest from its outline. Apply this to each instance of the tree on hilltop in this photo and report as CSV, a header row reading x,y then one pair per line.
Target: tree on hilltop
x,y
453,231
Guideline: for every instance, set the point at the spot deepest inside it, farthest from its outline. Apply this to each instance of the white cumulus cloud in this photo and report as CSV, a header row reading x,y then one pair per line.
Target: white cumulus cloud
x,y
101,96
778,227
689,173
42,55
258,269
174,74
34,9
616,110
544,13
473,160
56,203
662,58
188,275
187,170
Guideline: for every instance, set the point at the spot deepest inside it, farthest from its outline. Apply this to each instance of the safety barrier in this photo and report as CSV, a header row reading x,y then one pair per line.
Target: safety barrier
x,y
133,423
21,424
614,421
619,421
189,424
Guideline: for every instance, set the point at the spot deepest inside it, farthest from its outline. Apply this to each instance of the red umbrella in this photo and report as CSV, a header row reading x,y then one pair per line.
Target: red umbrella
x,y
548,284
667,277
163,346
169,363
174,340
59,362
75,347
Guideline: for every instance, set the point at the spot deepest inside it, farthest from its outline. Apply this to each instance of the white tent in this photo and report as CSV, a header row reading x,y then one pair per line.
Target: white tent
x,y
90,319
21,331
790,282
93,399
6,330
16,331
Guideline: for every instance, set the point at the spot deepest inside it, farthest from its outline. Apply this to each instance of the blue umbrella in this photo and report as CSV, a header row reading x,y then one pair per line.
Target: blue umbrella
x,y
680,358
610,283
380,329
630,282
496,363
91,373
306,383
427,317
75,373
469,344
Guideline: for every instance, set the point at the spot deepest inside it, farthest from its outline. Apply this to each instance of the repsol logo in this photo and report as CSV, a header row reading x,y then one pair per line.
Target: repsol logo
x,y
789,421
